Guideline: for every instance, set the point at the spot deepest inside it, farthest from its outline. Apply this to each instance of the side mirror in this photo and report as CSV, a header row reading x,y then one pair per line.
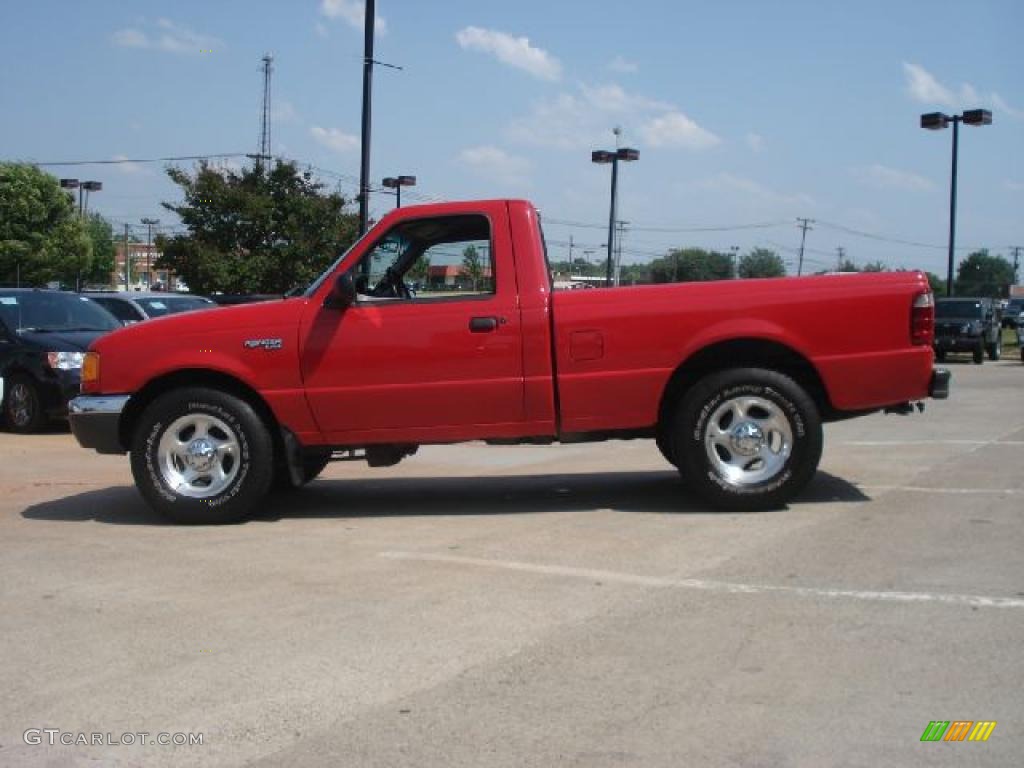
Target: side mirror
x,y
343,294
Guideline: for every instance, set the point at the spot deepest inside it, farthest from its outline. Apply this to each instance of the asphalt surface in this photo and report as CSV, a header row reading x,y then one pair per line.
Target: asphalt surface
x,y
532,606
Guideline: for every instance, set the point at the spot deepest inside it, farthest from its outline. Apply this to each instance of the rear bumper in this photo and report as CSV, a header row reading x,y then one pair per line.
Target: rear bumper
x,y
939,386
95,421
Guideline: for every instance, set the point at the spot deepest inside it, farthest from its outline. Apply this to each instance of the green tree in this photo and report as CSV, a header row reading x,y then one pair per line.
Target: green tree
x,y
254,231
41,237
472,265
684,265
762,262
936,283
101,235
982,274
846,265
420,271
875,266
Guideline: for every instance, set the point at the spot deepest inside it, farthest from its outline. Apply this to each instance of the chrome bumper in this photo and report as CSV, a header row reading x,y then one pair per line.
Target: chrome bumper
x,y
95,421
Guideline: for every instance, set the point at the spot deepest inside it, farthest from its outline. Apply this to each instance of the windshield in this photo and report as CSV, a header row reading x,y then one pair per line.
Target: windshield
x,y
173,304
966,309
330,270
50,311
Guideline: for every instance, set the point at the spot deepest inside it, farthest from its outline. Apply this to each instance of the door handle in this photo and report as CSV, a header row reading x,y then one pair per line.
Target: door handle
x,y
483,324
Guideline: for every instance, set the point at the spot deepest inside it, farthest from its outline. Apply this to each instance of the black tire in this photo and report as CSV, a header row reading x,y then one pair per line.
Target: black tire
x,y
23,408
229,460
940,357
995,349
1022,354
979,354
312,466
663,439
774,405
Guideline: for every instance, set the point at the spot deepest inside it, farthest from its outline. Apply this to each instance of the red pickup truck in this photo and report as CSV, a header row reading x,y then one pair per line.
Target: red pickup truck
x,y
440,326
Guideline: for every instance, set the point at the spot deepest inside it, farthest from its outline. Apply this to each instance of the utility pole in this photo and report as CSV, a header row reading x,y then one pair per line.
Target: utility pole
x,y
1016,263
735,262
127,262
369,17
570,255
150,223
841,252
804,224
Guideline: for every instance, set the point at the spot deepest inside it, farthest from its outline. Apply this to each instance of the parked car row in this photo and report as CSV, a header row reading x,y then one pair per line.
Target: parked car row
x,y
44,335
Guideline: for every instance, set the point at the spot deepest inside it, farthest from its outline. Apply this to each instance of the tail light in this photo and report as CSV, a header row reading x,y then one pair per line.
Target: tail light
x,y
922,319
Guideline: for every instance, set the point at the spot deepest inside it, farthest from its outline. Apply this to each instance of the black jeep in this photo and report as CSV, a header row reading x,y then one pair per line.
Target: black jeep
x,y
968,325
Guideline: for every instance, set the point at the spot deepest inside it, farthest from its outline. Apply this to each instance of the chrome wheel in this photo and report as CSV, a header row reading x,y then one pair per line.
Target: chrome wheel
x,y
748,440
21,405
198,456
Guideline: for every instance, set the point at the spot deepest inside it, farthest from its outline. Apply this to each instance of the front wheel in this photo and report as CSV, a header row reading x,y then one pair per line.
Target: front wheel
x,y
23,407
979,354
747,439
202,456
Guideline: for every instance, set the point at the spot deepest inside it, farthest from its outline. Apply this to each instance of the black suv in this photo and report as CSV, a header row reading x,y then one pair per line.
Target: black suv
x,y
1012,312
968,325
43,339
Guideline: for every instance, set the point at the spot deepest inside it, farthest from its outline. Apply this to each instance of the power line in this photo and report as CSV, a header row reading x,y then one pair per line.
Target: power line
x,y
141,160
638,228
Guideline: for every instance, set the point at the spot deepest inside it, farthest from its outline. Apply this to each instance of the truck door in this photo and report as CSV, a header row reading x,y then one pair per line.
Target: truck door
x,y
432,347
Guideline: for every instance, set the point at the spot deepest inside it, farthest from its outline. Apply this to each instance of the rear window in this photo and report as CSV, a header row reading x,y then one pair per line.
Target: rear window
x,y
968,309
51,311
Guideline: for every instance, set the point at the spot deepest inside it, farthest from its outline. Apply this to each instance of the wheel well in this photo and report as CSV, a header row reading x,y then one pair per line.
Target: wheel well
x,y
746,353
197,378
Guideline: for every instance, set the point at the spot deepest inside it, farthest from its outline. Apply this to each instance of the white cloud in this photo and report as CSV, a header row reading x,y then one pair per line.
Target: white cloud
x,y
167,36
623,66
514,51
131,169
131,38
677,130
335,139
321,29
924,88
882,176
583,120
727,182
755,142
1000,104
1014,186
492,162
353,12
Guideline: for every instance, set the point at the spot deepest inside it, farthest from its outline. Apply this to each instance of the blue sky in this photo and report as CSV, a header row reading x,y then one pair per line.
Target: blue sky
x,y
743,112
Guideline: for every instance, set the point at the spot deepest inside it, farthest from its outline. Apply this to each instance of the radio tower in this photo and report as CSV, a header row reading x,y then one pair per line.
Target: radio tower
x,y
264,153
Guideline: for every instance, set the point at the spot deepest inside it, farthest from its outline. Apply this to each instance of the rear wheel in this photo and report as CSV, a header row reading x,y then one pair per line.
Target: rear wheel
x,y
979,354
22,406
940,356
747,439
202,456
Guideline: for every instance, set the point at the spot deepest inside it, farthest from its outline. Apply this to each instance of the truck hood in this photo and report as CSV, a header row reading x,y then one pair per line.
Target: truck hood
x,y
282,313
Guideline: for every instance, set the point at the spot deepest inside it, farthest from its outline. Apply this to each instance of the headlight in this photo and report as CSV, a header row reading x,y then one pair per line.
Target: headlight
x,y
65,361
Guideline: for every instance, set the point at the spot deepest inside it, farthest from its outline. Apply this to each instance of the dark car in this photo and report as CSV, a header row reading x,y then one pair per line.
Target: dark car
x,y
136,306
968,325
43,339
1012,312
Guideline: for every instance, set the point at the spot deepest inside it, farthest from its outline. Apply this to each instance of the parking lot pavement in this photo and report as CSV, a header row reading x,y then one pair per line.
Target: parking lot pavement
x,y
569,606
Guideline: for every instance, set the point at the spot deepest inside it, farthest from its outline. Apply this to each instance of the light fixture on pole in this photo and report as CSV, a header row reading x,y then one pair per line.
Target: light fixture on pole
x,y
88,186
937,121
602,157
396,183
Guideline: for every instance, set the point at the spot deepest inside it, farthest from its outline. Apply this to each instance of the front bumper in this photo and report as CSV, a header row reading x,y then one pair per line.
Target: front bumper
x,y
95,421
938,388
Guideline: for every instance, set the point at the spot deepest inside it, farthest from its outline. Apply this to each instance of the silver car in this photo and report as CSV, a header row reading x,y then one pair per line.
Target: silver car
x,y
136,306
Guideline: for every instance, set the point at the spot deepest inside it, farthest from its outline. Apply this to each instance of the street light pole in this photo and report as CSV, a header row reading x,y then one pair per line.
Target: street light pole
x,y
369,17
937,121
602,157
396,183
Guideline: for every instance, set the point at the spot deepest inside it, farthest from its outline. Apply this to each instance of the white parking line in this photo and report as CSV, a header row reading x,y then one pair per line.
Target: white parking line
x,y
590,574
953,491
877,443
